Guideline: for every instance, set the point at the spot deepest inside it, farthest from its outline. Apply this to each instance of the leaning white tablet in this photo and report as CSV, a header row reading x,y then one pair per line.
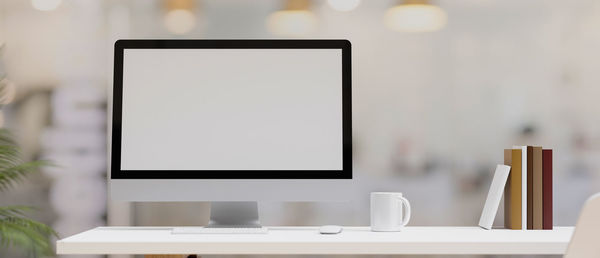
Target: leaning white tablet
x,y
494,197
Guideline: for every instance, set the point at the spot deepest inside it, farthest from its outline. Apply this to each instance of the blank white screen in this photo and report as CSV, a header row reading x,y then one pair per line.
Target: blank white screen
x,y
232,109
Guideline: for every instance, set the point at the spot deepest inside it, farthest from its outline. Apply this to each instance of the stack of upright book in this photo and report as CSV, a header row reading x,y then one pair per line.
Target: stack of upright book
x,y
528,192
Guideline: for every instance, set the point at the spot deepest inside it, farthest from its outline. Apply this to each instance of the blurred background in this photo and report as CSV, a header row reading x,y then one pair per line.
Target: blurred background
x,y
439,90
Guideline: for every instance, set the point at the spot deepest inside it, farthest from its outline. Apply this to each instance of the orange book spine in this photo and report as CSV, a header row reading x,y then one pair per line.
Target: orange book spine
x,y
516,187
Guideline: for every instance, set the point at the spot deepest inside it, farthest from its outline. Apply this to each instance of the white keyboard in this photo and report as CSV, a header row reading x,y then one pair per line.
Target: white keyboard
x,y
205,230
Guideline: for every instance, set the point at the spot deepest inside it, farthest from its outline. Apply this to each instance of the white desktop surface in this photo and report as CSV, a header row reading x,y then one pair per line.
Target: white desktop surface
x,y
307,240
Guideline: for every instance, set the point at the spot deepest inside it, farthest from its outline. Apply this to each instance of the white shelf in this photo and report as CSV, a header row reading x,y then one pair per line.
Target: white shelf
x,y
306,240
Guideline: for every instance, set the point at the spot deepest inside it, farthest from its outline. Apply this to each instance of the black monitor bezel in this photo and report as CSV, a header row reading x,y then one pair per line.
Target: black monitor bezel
x,y
344,173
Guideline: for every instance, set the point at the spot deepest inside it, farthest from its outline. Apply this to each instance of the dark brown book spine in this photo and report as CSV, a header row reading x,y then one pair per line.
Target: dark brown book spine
x,y
538,209
507,190
547,188
529,187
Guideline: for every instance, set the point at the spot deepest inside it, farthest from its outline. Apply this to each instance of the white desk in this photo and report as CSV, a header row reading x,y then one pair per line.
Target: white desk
x,y
306,240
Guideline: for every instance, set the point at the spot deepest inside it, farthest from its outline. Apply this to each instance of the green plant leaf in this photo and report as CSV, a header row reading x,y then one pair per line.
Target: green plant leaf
x,y
15,174
14,211
18,230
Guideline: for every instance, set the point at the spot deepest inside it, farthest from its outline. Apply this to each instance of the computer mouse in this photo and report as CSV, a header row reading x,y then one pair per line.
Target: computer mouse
x,y
330,229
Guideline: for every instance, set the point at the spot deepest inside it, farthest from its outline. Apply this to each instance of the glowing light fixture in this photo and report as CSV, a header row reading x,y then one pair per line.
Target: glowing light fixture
x,y
415,16
343,5
45,5
294,20
180,18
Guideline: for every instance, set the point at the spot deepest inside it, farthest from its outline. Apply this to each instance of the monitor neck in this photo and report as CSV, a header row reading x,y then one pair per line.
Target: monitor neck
x,y
234,214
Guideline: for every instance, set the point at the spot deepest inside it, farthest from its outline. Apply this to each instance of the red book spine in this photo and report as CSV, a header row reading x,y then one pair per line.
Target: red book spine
x,y
547,188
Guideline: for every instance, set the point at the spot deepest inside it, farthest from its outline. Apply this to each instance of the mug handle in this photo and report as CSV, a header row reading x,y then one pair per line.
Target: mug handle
x,y
406,205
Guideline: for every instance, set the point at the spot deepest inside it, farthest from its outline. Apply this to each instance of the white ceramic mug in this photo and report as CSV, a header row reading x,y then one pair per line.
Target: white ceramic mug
x,y
387,213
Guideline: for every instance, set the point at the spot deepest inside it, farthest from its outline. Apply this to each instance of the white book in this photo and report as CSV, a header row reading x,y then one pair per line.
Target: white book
x,y
524,186
492,202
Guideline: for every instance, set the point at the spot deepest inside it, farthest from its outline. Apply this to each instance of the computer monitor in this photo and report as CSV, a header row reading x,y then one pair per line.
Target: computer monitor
x,y
231,120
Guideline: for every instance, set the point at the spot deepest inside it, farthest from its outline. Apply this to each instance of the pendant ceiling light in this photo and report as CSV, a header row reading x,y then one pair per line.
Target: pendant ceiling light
x,y
179,18
415,16
294,20
343,5
45,5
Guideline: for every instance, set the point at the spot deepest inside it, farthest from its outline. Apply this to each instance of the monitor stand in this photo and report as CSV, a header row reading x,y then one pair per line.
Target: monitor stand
x,y
229,218
233,215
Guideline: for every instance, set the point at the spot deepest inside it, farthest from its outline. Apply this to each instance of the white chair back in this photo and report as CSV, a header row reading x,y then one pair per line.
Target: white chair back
x,y
585,242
